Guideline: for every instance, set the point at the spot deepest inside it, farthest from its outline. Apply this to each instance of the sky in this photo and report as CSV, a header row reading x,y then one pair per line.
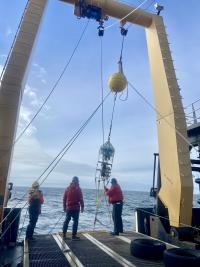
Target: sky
x,y
134,133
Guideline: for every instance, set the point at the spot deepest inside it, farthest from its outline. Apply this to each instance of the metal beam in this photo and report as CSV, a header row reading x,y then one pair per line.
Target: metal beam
x,y
176,191
119,10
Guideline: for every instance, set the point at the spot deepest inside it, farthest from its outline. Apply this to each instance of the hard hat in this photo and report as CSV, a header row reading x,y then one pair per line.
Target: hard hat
x,y
113,181
75,179
35,184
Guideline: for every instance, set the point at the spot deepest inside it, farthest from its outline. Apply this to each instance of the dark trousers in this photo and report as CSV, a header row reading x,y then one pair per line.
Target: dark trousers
x,y
74,214
33,217
117,217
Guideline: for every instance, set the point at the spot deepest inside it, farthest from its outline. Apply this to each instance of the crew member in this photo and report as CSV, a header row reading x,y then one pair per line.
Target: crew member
x,y
72,203
35,201
115,197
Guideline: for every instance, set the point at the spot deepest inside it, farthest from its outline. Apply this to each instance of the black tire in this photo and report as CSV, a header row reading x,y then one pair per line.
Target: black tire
x,y
178,257
147,248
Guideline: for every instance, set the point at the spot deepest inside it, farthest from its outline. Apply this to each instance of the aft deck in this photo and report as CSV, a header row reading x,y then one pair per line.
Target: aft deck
x,y
95,249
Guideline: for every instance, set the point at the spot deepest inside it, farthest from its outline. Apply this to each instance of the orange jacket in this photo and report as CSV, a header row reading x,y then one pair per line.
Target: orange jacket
x,y
114,193
73,197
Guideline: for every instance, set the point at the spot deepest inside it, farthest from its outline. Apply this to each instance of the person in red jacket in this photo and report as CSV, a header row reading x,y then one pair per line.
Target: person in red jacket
x,y
115,198
35,201
72,203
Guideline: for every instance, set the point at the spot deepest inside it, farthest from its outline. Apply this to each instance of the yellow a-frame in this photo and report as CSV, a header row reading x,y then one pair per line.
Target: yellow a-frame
x,y
176,191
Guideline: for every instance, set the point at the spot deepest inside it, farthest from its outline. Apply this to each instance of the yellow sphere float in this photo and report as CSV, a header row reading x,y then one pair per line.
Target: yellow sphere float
x,y
117,82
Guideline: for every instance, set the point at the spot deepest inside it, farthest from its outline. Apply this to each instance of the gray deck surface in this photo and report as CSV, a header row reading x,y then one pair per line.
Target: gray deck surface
x,y
11,256
45,251
91,255
123,249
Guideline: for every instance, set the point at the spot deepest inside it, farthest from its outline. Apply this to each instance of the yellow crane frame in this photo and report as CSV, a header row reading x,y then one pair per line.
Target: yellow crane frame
x,y
176,191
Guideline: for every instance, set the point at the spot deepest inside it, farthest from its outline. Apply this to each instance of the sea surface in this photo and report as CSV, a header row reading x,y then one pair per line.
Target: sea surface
x,y
52,216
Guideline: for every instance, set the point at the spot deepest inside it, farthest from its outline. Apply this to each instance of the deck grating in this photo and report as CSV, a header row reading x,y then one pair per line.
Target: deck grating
x,y
44,252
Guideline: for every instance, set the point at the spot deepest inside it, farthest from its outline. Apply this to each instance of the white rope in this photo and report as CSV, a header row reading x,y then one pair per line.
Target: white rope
x,y
135,9
157,112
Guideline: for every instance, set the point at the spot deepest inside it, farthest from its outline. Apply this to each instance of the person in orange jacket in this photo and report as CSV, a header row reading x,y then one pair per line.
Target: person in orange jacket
x,y
72,203
115,197
35,201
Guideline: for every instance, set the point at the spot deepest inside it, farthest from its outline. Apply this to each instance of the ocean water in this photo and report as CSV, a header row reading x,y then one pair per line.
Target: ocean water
x,y
52,216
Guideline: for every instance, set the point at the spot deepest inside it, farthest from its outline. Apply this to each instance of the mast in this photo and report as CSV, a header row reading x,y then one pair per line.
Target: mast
x,y
12,86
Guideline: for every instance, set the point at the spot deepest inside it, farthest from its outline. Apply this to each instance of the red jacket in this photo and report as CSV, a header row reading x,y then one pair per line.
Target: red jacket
x,y
114,193
73,197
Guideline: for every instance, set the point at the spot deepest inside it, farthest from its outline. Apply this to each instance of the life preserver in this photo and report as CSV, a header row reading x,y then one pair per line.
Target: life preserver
x,y
179,257
147,248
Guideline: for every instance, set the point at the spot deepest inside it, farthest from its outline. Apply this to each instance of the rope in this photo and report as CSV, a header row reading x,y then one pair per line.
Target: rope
x,y
120,61
102,94
107,205
122,48
157,112
126,97
63,152
98,201
51,92
56,223
113,110
15,37
183,224
135,9
55,85
5,231
66,148
139,16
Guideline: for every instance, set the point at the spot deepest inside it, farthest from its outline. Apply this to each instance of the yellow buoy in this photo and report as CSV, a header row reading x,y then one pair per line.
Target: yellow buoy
x,y
117,82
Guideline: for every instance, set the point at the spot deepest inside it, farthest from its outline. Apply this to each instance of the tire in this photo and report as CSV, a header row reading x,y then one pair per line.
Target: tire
x,y
178,257
147,249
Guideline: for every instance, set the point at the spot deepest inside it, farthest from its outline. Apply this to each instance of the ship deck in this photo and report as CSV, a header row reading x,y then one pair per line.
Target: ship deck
x,y
95,249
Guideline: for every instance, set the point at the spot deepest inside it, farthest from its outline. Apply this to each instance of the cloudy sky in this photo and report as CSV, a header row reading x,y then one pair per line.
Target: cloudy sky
x,y
78,93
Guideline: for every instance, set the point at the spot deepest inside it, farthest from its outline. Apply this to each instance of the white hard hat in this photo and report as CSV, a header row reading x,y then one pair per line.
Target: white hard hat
x,y
35,184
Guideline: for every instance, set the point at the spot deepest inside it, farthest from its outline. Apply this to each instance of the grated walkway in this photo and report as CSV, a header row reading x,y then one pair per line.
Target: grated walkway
x,y
95,249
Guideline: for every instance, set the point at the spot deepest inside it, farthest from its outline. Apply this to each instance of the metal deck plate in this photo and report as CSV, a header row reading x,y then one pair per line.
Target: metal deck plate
x,y
44,251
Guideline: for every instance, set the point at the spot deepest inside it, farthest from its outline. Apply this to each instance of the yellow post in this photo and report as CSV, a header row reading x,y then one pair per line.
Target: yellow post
x,y
11,87
176,177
